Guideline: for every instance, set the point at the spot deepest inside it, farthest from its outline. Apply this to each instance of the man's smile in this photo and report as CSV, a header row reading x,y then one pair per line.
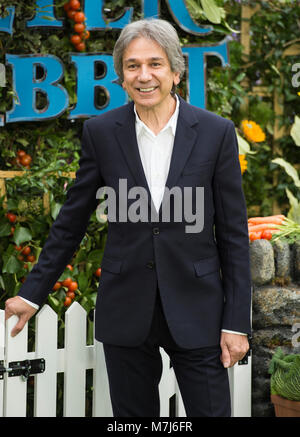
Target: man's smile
x,y
147,90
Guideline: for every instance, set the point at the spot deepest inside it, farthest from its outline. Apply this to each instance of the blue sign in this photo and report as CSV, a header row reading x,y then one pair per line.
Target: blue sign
x,y
27,84
6,24
44,15
88,84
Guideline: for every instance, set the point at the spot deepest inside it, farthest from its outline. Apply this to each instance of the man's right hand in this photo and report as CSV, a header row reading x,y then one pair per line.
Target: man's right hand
x,y
16,306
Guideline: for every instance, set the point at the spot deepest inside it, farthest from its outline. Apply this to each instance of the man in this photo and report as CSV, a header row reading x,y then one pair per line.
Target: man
x,y
161,286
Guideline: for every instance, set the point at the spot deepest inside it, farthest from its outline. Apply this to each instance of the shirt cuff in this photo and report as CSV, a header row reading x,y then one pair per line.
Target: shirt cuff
x,y
34,305
233,332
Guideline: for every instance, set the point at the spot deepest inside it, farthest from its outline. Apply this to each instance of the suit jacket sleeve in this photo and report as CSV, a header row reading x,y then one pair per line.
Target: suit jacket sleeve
x,y
69,227
231,233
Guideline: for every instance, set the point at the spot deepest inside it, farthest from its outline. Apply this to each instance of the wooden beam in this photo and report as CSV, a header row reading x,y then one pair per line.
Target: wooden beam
x,y
10,174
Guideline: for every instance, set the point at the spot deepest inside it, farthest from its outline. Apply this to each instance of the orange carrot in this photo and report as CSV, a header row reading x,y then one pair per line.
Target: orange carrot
x,y
276,219
263,227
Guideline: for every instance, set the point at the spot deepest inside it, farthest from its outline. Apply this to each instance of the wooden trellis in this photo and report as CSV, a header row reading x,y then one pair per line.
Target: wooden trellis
x,y
292,49
4,175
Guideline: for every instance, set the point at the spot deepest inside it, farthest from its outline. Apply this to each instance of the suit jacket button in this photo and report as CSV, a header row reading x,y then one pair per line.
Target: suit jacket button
x,y
155,231
150,265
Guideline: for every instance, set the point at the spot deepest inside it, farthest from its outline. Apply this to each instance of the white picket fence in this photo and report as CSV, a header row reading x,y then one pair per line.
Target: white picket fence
x,y
73,360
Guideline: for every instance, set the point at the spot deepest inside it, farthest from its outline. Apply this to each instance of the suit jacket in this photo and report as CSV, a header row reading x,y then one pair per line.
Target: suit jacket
x,y
203,278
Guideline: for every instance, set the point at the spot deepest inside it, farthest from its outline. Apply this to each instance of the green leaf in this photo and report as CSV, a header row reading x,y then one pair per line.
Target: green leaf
x,y
47,17
5,230
11,265
95,256
22,141
290,170
195,10
80,256
213,13
244,147
275,69
54,303
21,235
294,212
82,281
230,28
9,284
55,208
295,131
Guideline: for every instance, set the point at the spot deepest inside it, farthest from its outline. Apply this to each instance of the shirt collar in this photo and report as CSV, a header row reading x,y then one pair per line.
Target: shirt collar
x,y
172,123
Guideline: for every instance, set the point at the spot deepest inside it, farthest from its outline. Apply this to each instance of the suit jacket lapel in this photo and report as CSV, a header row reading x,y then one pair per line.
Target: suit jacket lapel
x,y
126,136
183,142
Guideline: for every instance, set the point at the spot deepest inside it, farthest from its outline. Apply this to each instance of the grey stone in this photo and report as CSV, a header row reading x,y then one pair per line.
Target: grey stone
x,y
275,306
263,409
262,262
296,258
282,258
275,312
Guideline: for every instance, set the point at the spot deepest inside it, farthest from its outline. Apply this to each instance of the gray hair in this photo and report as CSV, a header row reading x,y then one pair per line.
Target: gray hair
x,y
158,30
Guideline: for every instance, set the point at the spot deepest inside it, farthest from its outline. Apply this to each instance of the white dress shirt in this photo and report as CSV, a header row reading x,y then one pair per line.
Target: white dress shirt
x,y
155,153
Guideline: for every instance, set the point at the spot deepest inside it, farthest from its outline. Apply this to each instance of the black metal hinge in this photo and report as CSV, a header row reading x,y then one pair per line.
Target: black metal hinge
x,y
244,360
23,368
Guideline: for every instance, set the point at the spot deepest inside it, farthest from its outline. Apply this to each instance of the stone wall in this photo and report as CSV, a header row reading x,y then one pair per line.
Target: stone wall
x,y
275,270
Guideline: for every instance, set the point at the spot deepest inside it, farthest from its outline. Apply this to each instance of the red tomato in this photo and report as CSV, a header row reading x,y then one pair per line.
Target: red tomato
x,y
80,47
85,35
67,301
74,4
73,286
26,250
79,17
79,27
255,236
98,272
11,217
56,286
71,294
26,160
67,282
75,39
267,235
71,14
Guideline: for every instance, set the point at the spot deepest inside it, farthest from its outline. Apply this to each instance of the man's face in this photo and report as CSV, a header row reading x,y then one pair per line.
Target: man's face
x,y
148,78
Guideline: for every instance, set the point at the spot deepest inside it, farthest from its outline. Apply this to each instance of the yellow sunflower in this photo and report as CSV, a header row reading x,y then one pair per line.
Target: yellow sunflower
x,y
252,131
243,163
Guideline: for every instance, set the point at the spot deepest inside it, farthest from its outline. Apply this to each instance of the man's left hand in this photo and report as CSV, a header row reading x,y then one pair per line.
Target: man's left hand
x,y
234,348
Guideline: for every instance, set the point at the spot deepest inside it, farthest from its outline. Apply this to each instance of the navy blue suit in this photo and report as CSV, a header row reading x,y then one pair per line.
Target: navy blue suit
x,y
203,278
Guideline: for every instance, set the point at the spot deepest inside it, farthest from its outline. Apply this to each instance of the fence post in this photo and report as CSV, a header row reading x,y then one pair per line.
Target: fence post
x,y
166,385
101,397
75,361
2,343
46,347
15,389
240,389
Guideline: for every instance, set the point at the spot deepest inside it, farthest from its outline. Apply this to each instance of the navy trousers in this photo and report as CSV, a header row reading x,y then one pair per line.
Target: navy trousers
x,y
134,374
